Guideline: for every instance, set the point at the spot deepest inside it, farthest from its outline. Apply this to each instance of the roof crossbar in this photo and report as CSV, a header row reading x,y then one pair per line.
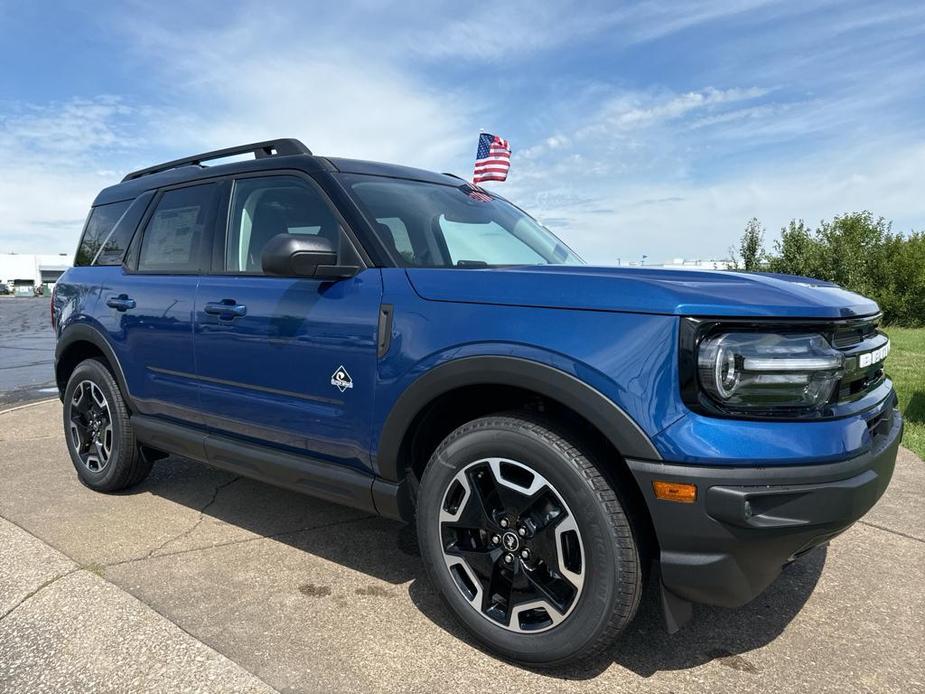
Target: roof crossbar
x,y
282,147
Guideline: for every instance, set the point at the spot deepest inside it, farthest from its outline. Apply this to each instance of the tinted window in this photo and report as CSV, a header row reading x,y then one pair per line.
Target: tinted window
x,y
261,208
431,224
173,239
101,221
489,243
395,233
114,246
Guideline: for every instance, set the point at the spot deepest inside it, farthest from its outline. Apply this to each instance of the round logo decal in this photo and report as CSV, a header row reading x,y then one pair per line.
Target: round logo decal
x,y
510,541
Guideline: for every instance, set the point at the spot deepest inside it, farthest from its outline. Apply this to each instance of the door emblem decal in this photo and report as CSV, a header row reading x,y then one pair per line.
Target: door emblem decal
x,y
341,379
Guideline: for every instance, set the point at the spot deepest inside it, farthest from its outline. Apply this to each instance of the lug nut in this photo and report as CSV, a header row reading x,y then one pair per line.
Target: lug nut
x,y
521,531
508,558
503,523
495,539
525,554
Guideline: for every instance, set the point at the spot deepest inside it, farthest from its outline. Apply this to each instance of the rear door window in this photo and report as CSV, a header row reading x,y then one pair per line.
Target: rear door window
x,y
174,239
100,223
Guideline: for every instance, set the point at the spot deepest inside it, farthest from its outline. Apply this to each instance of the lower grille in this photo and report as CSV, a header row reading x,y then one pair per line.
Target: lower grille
x,y
880,424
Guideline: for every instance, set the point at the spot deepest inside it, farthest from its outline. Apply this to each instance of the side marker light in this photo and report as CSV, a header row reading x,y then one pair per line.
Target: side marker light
x,y
681,492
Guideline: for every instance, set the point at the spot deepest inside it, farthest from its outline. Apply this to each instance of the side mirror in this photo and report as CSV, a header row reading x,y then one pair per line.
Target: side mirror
x,y
301,255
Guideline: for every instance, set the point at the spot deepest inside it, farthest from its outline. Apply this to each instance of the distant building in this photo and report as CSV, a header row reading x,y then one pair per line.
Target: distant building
x,y
699,264
22,274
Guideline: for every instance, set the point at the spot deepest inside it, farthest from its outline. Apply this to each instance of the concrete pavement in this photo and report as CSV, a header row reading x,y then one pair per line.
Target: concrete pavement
x,y
308,596
63,628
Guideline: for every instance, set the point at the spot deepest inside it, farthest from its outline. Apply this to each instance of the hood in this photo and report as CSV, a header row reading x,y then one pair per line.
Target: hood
x,y
643,290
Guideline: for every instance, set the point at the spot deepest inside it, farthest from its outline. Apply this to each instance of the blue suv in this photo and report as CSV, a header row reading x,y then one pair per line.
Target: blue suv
x,y
408,344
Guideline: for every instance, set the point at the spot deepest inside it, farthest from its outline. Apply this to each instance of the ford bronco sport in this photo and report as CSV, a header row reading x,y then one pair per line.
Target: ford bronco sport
x,y
411,345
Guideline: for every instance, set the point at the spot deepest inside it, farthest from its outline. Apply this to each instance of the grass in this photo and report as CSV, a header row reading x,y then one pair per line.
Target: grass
x,y
906,366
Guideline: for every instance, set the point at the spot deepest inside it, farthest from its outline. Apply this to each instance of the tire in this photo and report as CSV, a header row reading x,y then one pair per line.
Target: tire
x,y
93,405
582,558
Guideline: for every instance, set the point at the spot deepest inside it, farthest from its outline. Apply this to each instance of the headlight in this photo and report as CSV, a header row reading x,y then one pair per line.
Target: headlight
x,y
752,372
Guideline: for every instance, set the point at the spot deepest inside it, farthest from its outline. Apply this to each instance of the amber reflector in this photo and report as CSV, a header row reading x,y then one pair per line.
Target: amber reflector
x,y
675,491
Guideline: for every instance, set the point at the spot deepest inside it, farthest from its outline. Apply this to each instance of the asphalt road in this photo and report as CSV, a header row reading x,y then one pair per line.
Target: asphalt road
x,y
27,351
271,588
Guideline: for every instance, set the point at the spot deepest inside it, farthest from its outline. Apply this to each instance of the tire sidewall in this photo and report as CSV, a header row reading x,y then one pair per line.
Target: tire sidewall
x,y
123,440
602,554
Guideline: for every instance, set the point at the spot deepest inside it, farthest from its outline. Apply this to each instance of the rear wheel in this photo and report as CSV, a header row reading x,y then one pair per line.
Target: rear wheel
x,y
99,432
527,542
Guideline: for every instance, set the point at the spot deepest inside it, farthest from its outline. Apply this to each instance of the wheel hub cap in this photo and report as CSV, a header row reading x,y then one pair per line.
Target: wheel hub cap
x,y
511,542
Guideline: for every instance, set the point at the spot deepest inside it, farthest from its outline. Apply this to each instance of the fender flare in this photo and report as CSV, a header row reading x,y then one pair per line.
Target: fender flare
x,y
615,424
81,332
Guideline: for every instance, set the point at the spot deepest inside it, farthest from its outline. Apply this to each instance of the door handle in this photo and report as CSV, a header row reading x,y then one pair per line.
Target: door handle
x,y
226,309
121,302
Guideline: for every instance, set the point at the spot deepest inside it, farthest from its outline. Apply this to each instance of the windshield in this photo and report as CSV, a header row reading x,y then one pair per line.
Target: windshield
x,y
434,225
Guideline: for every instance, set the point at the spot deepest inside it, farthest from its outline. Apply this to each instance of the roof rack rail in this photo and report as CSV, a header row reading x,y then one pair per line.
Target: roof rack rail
x,y
452,175
260,150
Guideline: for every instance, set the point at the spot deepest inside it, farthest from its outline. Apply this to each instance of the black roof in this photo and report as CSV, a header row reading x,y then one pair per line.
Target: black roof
x,y
272,154
375,168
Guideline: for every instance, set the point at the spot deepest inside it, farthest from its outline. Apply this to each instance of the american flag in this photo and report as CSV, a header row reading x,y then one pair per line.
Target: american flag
x,y
479,194
492,160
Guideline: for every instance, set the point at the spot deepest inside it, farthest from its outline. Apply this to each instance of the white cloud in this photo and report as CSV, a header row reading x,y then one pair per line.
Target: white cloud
x,y
702,220
638,110
235,88
514,30
339,100
811,131
52,156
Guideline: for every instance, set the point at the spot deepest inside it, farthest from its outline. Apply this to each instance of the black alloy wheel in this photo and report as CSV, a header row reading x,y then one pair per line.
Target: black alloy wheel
x,y
98,430
91,426
527,541
512,545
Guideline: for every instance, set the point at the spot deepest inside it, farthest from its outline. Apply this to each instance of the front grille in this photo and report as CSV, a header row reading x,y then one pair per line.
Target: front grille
x,y
853,339
855,332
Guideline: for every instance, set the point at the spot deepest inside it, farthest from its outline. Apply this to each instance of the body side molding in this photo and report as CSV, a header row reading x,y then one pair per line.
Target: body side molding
x,y
546,380
336,483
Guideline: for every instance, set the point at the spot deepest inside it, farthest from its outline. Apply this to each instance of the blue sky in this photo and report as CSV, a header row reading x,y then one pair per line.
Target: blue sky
x,y
637,128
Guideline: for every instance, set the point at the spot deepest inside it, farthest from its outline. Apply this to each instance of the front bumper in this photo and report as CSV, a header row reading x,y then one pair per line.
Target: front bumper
x,y
748,522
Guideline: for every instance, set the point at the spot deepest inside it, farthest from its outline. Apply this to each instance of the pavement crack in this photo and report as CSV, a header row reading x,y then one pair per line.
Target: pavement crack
x,y
229,543
37,590
199,521
890,530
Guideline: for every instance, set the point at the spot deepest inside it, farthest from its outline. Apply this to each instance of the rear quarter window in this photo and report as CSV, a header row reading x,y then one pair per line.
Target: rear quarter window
x,y
115,245
100,223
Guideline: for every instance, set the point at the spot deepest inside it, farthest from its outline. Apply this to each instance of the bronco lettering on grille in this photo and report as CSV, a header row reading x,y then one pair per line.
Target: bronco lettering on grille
x,y
880,354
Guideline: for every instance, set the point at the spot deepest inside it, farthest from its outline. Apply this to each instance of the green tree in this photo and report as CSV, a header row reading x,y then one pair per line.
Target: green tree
x,y
902,294
797,252
857,251
751,254
853,251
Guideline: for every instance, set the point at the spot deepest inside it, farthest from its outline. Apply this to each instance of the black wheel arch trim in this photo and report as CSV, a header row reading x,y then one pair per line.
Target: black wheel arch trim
x,y
608,417
81,332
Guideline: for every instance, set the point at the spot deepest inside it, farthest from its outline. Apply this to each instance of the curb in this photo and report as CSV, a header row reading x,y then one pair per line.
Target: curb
x,y
62,601
28,404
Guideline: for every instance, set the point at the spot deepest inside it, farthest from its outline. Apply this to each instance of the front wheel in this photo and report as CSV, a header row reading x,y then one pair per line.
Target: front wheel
x,y
527,541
